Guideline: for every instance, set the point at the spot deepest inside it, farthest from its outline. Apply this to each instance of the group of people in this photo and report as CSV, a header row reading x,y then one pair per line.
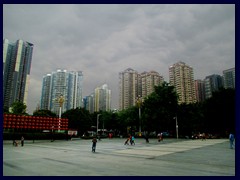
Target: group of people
x,y
130,139
15,143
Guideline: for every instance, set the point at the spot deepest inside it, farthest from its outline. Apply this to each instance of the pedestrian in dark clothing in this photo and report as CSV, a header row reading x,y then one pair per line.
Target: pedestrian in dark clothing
x,y
99,137
94,143
146,138
22,141
231,139
126,142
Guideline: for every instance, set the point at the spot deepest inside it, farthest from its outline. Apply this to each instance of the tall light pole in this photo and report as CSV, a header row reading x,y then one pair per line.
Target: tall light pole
x,y
176,126
139,103
97,123
60,101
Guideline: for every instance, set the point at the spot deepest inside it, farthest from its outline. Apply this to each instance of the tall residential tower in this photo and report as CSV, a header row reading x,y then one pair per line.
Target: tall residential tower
x,y
17,59
133,85
212,83
65,84
102,98
229,78
128,88
182,78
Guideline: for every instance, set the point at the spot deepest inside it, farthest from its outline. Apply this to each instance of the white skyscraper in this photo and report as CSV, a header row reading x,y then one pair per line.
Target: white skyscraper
x,y
65,84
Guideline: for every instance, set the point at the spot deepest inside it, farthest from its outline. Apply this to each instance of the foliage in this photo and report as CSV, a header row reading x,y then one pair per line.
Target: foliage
x,y
18,108
79,119
160,108
129,118
219,111
190,119
44,113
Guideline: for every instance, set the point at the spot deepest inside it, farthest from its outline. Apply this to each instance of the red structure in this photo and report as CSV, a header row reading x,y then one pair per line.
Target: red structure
x,y
12,121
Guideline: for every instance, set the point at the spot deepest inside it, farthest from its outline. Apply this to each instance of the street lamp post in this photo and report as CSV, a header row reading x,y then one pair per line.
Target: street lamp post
x,y
97,123
139,103
60,101
176,126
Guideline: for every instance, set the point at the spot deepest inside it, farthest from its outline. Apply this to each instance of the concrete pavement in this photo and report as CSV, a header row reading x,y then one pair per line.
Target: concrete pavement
x,y
171,157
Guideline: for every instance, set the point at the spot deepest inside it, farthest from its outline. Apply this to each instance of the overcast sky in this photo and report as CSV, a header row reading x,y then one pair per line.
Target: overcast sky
x,y
103,40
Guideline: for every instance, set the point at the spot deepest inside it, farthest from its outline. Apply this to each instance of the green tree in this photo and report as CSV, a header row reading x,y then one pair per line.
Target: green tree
x,y
190,119
219,111
18,108
79,119
159,108
45,113
5,109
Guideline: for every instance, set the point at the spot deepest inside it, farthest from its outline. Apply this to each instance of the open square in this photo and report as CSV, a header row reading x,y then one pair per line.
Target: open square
x,y
171,157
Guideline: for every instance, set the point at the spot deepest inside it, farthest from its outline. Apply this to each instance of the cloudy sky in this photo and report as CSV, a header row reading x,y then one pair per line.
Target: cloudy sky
x,y
103,40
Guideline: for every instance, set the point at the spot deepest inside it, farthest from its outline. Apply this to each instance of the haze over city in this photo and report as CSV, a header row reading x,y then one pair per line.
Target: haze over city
x,y
103,40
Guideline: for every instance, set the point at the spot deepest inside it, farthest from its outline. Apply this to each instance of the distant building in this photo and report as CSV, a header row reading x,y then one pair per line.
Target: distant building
x,y
229,78
147,82
212,83
133,86
17,59
182,78
200,90
65,84
46,92
89,103
128,88
102,98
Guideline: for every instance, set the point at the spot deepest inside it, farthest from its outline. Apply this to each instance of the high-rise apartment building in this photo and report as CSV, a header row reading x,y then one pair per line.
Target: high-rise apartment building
x,y
182,78
46,92
89,103
65,84
128,88
133,85
17,59
200,90
147,82
229,78
102,98
212,83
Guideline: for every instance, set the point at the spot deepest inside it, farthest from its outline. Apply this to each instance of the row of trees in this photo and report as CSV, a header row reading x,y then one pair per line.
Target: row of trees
x,y
216,115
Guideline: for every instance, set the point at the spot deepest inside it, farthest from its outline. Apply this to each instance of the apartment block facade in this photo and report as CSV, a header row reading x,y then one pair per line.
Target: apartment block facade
x,y
182,78
102,98
212,83
17,59
200,90
134,85
229,78
62,83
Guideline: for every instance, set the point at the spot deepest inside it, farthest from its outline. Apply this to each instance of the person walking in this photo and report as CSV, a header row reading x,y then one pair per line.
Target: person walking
x,y
146,137
160,137
231,139
132,140
22,141
126,142
94,143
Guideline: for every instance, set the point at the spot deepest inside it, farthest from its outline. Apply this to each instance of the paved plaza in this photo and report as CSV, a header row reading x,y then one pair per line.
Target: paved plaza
x,y
171,157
